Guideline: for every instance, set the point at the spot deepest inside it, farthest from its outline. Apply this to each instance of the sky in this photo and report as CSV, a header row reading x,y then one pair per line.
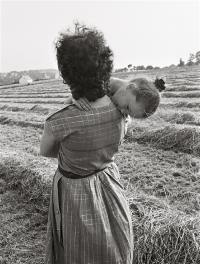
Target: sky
x,y
144,32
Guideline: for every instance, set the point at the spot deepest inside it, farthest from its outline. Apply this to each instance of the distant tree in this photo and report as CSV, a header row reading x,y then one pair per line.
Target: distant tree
x,y
181,63
130,65
172,66
140,67
197,57
156,68
149,67
191,60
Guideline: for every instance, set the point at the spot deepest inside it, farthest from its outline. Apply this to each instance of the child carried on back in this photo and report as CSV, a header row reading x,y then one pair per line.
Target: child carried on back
x,y
138,98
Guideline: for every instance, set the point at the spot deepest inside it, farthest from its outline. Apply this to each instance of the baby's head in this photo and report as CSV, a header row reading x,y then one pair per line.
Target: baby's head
x,y
140,98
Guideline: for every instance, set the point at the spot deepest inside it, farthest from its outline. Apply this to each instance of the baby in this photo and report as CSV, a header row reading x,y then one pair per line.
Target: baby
x,y
138,98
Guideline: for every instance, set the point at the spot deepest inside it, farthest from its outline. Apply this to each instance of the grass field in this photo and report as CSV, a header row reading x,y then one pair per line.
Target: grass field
x,y
159,163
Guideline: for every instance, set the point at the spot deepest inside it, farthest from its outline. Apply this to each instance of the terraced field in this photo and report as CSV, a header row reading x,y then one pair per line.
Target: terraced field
x,y
159,164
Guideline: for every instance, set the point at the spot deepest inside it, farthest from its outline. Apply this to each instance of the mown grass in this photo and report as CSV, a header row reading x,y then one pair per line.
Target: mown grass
x,y
177,116
6,120
176,138
167,237
23,174
32,96
181,94
48,101
35,108
23,231
181,104
183,88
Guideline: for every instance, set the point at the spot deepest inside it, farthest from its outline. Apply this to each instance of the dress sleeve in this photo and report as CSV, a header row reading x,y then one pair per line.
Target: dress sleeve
x,y
48,128
58,127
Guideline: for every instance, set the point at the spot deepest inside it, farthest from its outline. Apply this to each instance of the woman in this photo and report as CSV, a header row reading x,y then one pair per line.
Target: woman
x,y
89,218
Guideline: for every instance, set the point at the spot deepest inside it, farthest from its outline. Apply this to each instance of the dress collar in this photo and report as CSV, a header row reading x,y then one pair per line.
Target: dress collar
x,y
82,103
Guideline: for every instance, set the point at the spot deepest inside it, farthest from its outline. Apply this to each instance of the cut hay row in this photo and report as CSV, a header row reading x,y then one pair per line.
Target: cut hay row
x,y
189,94
48,101
36,89
183,81
183,88
22,116
161,233
31,96
35,83
166,237
29,108
30,176
192,105
6,120
176,138
175,116
178,100
9,93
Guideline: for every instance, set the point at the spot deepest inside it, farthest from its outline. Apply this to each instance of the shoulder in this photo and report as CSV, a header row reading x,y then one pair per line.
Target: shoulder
x,y
59,113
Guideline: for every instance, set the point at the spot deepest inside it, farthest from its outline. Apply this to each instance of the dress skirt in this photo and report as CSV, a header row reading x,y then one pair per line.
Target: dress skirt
x,y
89,220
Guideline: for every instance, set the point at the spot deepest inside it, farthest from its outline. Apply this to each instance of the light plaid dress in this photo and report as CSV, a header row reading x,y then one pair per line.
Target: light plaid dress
x,y
89,218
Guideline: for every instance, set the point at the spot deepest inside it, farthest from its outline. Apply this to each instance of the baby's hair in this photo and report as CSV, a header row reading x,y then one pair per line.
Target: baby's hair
x,y
159,84
147,92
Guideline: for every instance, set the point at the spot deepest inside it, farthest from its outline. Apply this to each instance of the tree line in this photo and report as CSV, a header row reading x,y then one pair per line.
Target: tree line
x,y
194,59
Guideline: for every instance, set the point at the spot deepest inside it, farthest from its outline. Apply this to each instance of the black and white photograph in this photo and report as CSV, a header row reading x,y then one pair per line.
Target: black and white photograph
x,y
100,132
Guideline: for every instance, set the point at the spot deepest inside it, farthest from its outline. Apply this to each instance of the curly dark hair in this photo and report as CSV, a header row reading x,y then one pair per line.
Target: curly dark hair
x,y
84,62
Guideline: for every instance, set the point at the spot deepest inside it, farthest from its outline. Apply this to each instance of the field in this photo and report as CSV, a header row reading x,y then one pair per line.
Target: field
x,y
159,163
